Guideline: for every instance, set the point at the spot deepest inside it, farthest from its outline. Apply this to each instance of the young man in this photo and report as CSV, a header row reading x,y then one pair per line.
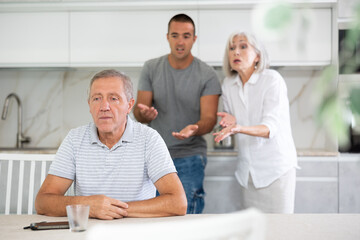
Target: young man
x,y
117,164
178,96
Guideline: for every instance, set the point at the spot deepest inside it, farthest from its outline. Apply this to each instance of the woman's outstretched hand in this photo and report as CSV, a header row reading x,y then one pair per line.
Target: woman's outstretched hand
x,y
226,119
227,131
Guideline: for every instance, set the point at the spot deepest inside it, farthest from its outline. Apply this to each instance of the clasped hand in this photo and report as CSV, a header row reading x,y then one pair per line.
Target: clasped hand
x,y
103,207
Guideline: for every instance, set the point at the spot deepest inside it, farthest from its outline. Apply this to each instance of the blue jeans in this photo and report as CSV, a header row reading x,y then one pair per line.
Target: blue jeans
x,y
191,173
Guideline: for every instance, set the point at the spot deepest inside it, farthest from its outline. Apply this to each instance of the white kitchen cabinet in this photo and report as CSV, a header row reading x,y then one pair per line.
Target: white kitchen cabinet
x,y
346,8
349,182
222,195
299,46
126,38
222,191
317,185
34,39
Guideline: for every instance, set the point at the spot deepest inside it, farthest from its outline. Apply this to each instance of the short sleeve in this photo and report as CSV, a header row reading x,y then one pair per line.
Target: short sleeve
x,y
212,85
145,78
158,159
64,162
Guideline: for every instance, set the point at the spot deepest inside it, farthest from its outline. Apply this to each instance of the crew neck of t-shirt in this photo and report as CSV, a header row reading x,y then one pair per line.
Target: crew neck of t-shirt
x,y
180,70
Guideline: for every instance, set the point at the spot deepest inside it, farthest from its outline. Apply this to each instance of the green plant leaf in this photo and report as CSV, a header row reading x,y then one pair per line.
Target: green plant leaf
x,y
278,16
355,100
331,115
327,82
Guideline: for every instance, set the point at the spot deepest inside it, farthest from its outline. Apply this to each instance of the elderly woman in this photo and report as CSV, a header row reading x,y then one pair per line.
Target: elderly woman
x,y
256,109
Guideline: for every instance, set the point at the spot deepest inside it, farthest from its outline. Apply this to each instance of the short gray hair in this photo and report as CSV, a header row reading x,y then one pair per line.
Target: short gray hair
x,y
128,86
259,49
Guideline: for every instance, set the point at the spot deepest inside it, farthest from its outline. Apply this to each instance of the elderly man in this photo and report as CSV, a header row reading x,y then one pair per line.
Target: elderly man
x,y
117,164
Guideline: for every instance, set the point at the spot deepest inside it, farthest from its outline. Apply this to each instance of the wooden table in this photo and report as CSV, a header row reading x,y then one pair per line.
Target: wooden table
x,y
279,226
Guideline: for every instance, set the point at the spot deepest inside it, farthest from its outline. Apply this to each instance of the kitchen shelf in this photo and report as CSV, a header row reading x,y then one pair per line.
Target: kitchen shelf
x,y
288,65
345,23
311,154
349,77
216,65
148,5
33,65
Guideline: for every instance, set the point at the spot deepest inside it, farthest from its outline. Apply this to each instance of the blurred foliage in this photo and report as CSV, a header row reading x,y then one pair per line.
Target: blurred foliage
x,y
355,100
332,110
278,16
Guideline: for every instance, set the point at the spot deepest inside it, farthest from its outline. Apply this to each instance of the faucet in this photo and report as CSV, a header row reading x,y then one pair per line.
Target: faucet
x,y
20,138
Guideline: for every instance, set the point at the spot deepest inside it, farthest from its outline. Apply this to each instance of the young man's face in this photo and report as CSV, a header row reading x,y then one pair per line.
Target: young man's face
x,y
181,39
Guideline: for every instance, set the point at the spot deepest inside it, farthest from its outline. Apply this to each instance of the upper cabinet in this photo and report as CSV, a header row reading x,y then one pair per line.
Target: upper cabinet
x,y
34,39
347,13
306,41
127,33
126,38
347,8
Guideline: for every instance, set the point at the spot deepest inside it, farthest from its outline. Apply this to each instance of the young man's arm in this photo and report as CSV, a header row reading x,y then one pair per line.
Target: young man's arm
x,y
208,118
143,111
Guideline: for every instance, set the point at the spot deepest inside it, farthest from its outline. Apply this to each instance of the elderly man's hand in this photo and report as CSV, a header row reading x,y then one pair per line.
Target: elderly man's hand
x,y
188,131
103,207
149,113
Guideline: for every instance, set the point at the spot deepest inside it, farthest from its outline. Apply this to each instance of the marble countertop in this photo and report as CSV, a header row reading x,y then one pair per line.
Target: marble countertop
x,y
211,152
300,153
28,150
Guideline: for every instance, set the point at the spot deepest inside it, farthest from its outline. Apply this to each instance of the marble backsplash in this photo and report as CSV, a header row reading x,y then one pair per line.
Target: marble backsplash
x,y
55,100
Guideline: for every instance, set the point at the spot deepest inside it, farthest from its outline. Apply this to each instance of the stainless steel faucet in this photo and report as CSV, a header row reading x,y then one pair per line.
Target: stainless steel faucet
x,y
20,138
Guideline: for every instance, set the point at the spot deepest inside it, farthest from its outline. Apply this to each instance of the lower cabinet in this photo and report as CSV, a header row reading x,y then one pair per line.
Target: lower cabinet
x,y
316,185
222,191
316,197
349,183
222,195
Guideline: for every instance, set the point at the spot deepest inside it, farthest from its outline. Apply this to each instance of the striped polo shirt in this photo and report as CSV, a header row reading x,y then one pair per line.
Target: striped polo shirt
x,y
126,172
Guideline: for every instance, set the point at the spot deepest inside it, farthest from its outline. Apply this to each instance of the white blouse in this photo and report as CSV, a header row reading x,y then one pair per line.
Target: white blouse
x,y
261,101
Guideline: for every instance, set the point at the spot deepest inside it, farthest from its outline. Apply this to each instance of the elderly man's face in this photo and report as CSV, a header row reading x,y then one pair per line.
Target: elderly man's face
x,y
109,106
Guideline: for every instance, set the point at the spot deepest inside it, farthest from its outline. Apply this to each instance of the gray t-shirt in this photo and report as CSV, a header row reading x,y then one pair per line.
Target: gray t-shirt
x,y
176,96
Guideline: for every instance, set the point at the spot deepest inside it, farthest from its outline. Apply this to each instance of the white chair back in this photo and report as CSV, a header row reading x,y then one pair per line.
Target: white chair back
x,y
245,225
21,176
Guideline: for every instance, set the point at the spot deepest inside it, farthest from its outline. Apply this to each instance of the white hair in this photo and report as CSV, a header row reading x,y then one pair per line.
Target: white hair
x,y
128,87
256,44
